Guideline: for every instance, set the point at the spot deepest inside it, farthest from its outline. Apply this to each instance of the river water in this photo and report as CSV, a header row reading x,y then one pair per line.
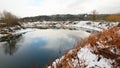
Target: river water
x,y
36,48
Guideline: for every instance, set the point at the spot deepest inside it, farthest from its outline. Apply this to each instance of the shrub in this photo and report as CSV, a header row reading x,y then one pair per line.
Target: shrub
x,y
113,18
9,19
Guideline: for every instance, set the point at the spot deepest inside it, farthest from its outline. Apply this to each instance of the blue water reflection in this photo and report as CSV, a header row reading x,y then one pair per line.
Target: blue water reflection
x,y
36,49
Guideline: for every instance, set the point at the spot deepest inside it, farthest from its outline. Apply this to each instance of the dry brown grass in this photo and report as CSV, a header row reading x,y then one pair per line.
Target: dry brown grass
x,y
108,39
113,18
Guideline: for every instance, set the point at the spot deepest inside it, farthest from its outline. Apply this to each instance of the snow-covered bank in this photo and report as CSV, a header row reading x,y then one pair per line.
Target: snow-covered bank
x,y
101,50
91,26
88,26
99,24
17,32
7,30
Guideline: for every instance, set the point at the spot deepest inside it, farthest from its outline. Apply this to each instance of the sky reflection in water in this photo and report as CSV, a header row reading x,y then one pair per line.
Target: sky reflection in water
x,y
36,48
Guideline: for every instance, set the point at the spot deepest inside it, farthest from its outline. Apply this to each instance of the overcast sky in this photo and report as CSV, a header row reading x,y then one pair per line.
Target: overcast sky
x,y
25,8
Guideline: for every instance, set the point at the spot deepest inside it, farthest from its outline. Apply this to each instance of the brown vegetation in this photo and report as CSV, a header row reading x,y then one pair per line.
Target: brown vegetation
x,y
108,40
9,19
113,18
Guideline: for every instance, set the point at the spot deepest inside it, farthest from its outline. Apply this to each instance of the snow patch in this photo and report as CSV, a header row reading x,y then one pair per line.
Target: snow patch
x,y
91,60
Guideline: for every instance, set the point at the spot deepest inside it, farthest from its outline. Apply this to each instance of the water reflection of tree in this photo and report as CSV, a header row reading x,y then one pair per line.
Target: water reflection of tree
x,y
10,47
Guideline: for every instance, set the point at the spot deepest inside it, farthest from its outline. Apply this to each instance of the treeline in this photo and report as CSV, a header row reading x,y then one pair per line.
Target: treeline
x,y
69,17
9,19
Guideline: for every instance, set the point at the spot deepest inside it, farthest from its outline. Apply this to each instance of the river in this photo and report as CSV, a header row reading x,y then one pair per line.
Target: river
x,y
38,47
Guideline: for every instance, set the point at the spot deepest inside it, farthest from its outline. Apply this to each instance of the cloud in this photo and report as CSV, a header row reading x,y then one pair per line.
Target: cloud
x,y
48,7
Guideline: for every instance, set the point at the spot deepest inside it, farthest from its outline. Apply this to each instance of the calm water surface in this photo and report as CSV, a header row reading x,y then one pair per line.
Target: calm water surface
x,y
36,48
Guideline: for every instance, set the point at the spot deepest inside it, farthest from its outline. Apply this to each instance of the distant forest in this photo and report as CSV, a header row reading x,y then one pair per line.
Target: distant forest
x,y
70,17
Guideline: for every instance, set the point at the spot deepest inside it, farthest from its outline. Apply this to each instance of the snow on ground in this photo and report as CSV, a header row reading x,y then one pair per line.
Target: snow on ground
x,y
101,50
85,59
1,35
98,26
21,31
39,23
88,26
91,60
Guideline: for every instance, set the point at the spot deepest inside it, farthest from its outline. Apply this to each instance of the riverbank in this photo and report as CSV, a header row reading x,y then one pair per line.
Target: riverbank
x,y
88,26
54,40
99,50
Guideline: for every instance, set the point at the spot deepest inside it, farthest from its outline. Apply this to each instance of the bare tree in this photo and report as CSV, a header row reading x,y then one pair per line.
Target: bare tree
x,y
94,15
9,18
